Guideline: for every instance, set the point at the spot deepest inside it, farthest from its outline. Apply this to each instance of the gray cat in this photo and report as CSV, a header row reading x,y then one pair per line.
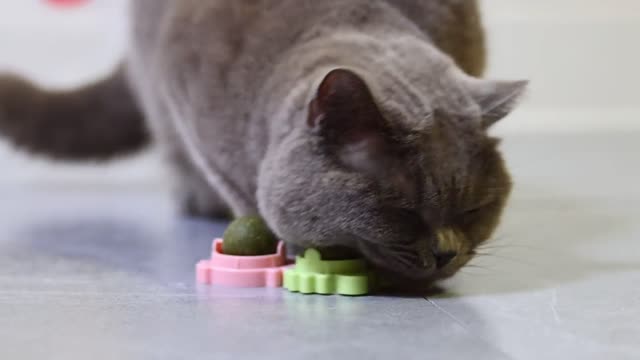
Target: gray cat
x,y
355,125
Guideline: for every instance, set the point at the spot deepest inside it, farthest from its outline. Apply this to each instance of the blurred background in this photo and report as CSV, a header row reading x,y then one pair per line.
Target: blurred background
x,y
581,55
93,256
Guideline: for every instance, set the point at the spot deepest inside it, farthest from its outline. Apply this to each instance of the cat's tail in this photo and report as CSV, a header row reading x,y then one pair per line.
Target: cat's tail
x,y
95,122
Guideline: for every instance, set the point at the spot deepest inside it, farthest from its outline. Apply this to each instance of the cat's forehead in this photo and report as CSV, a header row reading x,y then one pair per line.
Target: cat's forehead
x,y
454,162
444,91
415,97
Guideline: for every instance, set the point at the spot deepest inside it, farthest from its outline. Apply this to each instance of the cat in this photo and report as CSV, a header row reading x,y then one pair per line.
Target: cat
x,y
358,125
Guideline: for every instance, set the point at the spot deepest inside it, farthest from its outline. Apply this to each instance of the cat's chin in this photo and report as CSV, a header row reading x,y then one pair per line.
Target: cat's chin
x,y
401,262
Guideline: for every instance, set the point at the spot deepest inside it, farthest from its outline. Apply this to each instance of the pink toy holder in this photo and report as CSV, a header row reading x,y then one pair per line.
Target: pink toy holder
x,y
242,271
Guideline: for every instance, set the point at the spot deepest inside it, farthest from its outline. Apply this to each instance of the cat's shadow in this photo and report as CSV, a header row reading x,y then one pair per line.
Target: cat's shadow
x,y
547,241
111,244
124,251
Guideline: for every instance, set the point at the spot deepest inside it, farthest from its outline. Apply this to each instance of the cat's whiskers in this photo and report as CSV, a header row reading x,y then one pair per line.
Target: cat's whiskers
x,y
504,257
498,242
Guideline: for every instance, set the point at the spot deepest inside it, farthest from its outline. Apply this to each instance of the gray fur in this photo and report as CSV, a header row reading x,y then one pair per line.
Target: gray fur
x,y
226,87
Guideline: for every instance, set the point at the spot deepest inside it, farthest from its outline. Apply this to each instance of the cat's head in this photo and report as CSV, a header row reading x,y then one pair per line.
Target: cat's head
x,y
414,196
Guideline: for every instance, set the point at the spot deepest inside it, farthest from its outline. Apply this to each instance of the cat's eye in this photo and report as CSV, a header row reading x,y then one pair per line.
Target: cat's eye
x,y
473,211
476,209
469,217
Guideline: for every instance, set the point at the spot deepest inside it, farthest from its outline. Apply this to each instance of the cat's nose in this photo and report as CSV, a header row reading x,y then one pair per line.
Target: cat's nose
x,y
444,258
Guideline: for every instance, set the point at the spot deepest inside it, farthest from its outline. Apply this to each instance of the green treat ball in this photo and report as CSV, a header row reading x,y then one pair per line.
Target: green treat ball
x,y
249,236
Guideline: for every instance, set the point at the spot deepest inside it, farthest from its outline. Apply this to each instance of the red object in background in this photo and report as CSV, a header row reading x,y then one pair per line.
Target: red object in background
x,y
67,3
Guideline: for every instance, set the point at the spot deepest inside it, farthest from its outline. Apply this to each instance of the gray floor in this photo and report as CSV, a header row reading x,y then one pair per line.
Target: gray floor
x,y
108,274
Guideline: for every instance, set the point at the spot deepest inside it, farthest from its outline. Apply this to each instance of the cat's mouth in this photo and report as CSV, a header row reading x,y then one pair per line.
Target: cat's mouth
x,y
425,260
403,260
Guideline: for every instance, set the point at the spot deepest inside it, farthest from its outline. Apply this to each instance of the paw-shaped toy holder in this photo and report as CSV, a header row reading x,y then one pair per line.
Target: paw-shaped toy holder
x,y
242,271
312,275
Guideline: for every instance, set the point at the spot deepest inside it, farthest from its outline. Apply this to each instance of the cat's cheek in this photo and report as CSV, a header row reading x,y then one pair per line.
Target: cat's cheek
x,y
269,212
454,267
482,227
265,195
279,204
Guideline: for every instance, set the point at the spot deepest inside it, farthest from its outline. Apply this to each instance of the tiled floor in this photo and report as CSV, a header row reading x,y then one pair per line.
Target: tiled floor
x,y
107,273
95,264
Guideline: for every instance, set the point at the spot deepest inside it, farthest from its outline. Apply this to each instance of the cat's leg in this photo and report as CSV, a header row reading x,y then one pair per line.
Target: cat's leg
x,y
195,196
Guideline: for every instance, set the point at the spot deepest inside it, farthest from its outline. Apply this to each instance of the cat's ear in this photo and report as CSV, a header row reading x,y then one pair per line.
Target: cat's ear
x,y
496,98
344,110
345,115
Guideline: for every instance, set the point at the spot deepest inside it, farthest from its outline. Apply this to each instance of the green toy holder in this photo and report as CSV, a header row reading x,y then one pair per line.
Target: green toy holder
x,y
312,275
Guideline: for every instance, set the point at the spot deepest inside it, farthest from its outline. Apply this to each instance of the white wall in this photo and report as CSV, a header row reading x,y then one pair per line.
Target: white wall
x,y
581,55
